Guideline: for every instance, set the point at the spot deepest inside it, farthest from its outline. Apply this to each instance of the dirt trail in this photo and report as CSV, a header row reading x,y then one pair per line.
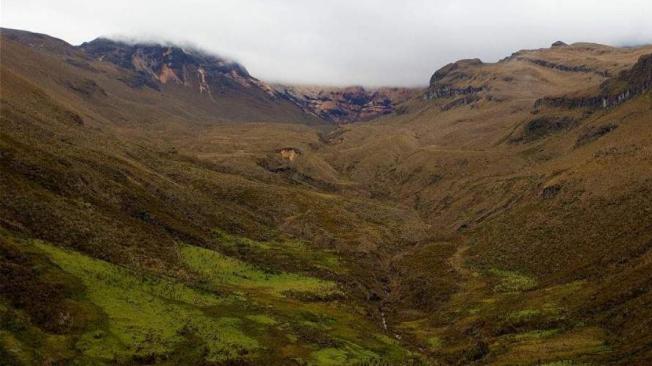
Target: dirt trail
x,y
457,261
472,284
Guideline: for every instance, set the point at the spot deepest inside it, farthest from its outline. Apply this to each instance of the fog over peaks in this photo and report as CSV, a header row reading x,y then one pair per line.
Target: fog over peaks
x,y
371,43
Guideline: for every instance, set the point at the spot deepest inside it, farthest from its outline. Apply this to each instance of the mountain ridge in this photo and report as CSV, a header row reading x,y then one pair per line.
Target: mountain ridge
x,y
151,60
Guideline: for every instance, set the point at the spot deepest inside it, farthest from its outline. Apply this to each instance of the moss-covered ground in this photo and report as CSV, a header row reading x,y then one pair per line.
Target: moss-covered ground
x,y
217,309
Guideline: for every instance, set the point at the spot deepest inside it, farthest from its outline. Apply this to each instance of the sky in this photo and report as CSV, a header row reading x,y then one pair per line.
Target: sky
x,y
342,42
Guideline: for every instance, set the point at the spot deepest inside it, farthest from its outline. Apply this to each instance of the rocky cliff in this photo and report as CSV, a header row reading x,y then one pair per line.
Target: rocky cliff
x,y
350,104
444,82
157,64
629,83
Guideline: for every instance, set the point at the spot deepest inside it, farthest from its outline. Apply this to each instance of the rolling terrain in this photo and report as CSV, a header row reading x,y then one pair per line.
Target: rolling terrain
x,y
160,205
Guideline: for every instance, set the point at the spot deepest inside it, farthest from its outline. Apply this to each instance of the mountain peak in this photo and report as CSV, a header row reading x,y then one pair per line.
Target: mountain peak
x,y
166,63
169,50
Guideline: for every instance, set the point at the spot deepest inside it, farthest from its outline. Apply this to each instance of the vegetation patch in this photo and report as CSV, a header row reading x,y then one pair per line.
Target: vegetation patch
x,y
139,310
330,356
262,319
510,281
536,334
220,271
346,354
523,315
420,330
552,348
435,343
564,363
226,311
544,126
293,255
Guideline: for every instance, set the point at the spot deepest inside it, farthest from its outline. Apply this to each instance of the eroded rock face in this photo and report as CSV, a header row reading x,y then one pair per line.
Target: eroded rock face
x,y
444,83
350,104
455,70
562,67
289,153
635,80
613,91
157,65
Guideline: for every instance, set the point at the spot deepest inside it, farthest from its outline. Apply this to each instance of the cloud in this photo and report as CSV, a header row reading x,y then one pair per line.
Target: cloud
x,y
339,42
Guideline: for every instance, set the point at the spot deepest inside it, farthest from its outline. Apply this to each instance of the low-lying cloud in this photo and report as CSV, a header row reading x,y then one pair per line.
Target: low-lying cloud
x,y
340,42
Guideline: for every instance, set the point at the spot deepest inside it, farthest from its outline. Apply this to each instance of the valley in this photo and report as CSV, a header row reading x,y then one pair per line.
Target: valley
x,y
160,205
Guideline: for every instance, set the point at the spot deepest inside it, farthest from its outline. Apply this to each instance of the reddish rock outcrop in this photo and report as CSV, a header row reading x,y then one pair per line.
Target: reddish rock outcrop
x,y
350,104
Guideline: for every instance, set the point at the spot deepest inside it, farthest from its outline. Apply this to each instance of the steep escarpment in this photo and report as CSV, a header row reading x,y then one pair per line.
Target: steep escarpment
x,y
442,82
628,84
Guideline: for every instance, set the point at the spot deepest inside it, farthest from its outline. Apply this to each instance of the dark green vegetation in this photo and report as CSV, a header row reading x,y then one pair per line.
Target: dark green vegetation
x,y
186,214
223,309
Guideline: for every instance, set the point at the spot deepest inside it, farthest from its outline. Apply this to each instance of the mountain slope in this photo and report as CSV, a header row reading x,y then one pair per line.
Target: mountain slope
x,y
108,230
542,199
204,88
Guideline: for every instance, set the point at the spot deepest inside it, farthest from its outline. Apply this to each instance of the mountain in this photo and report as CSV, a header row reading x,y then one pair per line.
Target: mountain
x,y
350,104
159,205
205,86
156,64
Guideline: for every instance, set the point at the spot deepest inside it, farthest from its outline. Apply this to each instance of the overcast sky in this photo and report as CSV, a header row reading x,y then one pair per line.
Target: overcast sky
x,y
342,42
